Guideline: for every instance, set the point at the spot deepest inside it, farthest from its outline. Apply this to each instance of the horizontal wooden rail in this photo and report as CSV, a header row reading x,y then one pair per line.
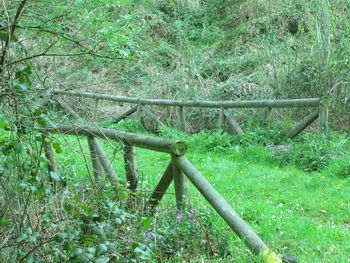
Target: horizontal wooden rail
x,y
311,102
162,145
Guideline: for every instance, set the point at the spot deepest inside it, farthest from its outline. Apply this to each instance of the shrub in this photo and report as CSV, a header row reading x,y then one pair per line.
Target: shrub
x,y
311,152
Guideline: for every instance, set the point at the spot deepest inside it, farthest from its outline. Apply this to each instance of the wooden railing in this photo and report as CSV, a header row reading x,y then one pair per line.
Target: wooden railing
x,y
179,170
225,115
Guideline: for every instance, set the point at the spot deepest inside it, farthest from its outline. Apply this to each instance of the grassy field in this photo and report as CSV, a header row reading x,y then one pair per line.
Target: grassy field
x,y
294,212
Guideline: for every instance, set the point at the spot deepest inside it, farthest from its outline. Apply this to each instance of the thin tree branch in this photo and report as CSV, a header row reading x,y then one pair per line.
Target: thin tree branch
x,y
48,55
69,38
11,34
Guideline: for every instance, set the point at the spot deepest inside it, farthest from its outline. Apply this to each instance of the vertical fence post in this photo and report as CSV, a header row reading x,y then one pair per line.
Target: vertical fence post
x,y
222,119
266,122
130,165
236,129
181,118
181,185
323,114
98,169
139,110
49,154
97,102
106,165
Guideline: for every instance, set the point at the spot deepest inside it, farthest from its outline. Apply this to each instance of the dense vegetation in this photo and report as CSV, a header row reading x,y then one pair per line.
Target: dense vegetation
x,y
294,194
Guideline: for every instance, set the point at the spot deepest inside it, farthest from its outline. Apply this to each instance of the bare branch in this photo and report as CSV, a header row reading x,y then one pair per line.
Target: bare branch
x,y
11,34
48,55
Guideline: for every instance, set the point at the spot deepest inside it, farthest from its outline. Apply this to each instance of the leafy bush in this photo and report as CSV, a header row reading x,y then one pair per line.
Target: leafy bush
x,y
311,152
339,167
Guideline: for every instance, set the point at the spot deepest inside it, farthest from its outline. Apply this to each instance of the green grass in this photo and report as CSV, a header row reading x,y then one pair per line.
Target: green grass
x,y
294,212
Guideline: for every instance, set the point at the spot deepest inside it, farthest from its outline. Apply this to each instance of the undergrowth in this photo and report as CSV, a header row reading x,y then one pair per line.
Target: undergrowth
x,y
64,217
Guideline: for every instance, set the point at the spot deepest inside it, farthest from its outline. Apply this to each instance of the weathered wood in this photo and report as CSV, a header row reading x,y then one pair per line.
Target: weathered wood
x,y
181,119
311,102
181,185
302,125
147,142
125,114
233,123
138,110
236,223
96,165
161,187
68,109
50,156
130,166
107,167
97,102
151,115
222,119
266,121
323,118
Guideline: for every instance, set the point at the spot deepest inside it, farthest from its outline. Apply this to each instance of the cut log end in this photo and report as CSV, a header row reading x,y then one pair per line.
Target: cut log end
x,y
179,148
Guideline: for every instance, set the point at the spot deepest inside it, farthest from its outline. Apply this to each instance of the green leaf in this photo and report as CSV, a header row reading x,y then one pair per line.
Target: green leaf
x,y
43,121
76,252
101,249
54,176
4,36
147,222
28,230
23,76
4,223
78,260
34,238
21,238
37,113
60,237
102,260
57,147
68,207
23,185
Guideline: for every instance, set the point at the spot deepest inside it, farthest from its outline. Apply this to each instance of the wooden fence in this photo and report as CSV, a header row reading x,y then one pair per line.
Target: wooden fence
x,y
179,170
225,115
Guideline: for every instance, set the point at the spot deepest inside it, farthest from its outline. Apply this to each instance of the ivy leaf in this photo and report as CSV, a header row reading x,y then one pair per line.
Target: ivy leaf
x,y
78,260
23,76
57,147
147,222
101,249
37,113
43,121
21,238
60,237
34,238
28,231
54,176
102,260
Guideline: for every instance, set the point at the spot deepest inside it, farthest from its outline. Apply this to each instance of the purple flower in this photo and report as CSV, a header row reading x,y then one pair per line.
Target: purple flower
x,y
180,243
179,218
149,235
191,215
